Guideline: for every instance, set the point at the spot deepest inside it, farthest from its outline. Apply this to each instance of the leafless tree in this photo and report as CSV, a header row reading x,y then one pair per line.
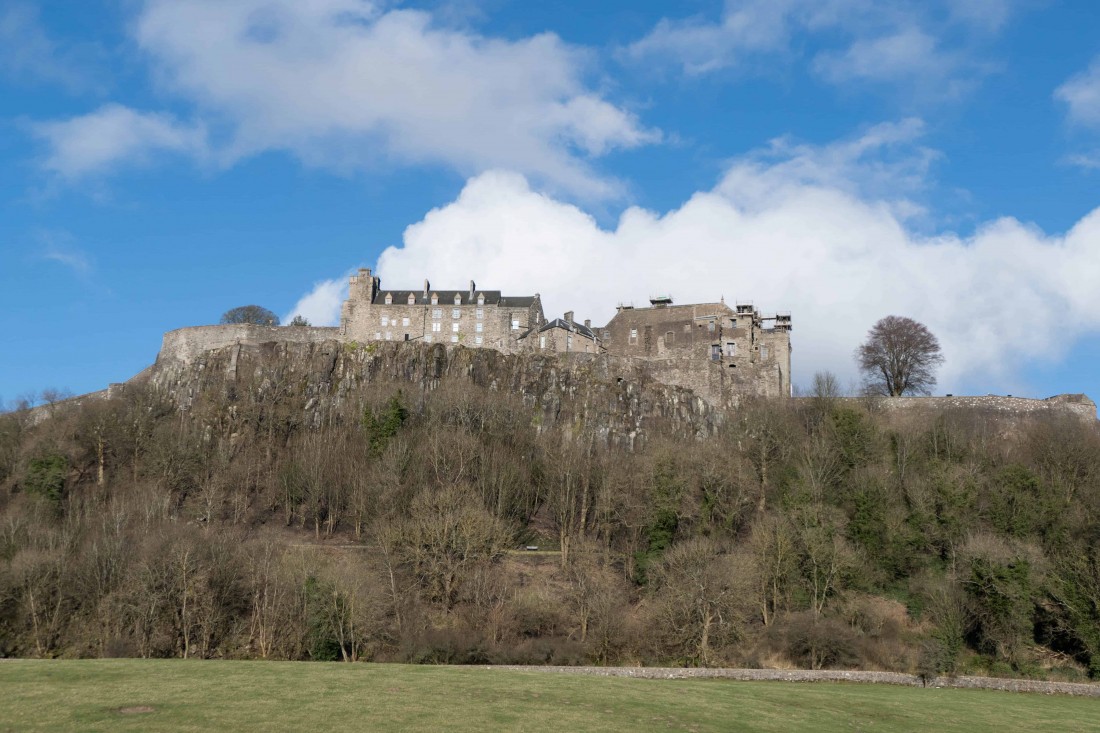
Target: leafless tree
x,y
899,357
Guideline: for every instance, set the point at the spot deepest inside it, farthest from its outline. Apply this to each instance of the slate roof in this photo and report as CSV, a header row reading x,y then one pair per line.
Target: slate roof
x,y
574,327
447,297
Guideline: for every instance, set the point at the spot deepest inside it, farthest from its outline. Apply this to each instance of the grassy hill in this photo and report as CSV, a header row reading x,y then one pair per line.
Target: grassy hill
x,y
178,695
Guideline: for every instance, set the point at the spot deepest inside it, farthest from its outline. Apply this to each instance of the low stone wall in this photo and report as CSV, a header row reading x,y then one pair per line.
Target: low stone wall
x,y
187,344
1076,404
825,675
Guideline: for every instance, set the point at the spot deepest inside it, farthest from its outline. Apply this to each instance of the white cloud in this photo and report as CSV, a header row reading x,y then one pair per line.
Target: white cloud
x,y
321,305
114,135
859,40
838,256
60,247
1082,94
909,54
346,84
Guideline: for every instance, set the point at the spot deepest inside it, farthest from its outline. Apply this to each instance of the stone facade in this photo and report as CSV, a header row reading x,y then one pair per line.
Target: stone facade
x,y
566,336
709,346
472,317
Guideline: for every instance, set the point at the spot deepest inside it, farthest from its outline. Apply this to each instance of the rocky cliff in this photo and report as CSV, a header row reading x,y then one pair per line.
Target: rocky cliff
x,y
617,399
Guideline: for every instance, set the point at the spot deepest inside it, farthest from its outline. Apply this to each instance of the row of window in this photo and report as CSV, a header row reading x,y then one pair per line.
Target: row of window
x,y
435,299
437,313
478,339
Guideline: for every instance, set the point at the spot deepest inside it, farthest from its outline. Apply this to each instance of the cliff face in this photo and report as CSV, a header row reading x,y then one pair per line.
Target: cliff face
x,y
619,400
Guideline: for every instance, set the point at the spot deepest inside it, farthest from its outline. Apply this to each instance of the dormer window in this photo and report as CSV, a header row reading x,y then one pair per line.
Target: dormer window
x,y
481,299
435,299
389,299
458,299
412,299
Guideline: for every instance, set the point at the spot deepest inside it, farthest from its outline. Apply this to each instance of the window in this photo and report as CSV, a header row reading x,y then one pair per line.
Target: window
x,y
731,348
456,312
454,339
435,299
480,301
385,320
454,327
377,335
479,327
715,352
633,335
404,321
670,338
542,342
389,335
477,340
428,338
437,327
412,299
763,352
687,328
437,312
569,342
710,326
515,324
458,299
389,299
480,313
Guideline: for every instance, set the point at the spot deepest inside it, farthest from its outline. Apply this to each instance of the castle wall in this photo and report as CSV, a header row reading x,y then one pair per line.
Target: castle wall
x,y
186,344
722,353
1074,404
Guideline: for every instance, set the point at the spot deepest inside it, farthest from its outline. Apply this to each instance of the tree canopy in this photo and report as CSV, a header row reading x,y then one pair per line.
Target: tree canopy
x,y
899,357
253,314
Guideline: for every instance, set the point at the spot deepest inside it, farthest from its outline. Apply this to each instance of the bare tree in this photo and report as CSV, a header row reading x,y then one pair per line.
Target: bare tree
x,y
899,357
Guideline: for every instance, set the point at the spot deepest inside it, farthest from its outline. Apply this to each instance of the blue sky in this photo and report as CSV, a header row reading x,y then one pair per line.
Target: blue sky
x,y
840,159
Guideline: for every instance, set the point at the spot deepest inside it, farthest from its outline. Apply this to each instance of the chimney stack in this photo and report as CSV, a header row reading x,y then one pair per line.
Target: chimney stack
x,y
427,287
569,317
588,323
471,290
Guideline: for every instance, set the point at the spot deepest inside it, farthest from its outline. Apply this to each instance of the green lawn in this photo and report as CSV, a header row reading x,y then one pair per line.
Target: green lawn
x,y
286,696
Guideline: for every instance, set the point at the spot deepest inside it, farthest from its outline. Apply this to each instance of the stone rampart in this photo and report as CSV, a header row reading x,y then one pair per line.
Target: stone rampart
x,y
1075,404
187,344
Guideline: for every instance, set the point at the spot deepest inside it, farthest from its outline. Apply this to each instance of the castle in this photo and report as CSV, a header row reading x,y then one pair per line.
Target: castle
x,y
719,352
694,345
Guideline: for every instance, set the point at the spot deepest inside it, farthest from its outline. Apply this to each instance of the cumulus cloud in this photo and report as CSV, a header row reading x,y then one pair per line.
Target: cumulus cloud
x,y
346,83
321,305
838,256
1082,95
114,135
860,40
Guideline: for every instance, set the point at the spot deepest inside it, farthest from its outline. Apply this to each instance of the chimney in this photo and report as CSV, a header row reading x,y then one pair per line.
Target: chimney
x,y
471,290
588,323
569,317
427,287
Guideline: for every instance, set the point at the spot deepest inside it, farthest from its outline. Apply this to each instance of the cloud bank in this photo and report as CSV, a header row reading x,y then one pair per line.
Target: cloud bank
x,y
346,84
794,228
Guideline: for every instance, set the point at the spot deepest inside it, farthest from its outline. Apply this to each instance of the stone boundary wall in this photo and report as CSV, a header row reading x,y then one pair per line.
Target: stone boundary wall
x,y
1076,404
187,344
825,675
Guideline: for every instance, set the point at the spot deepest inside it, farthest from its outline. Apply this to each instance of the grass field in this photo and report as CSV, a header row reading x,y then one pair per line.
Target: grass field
x,y
92,695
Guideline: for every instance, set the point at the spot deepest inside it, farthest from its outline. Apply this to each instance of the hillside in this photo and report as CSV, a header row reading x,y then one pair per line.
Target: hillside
x,y
340,501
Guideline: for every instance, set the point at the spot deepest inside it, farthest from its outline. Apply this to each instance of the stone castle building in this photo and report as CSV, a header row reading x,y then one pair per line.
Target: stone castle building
x,y
709,347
